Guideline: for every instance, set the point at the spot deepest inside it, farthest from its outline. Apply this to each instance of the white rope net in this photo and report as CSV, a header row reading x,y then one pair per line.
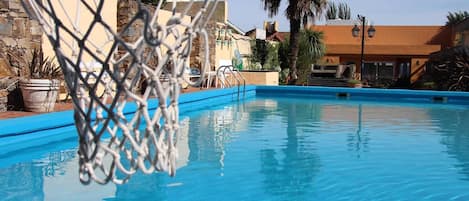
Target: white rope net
x,y
120,130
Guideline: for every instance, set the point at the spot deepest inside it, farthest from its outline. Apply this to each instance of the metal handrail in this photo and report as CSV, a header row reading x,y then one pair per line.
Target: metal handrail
x,y
223,79
244,81
235,75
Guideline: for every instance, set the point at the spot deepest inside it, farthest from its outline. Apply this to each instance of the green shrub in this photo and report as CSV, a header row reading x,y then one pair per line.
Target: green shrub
x,y
354,82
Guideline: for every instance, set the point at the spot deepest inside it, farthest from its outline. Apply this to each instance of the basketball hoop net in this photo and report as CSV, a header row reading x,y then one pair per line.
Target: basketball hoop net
x,y
122,131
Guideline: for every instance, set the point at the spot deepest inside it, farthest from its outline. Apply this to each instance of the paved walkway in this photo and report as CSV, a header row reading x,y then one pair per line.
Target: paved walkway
x,y
65,106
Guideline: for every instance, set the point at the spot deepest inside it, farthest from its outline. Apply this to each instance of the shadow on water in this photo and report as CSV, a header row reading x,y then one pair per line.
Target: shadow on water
x,y
358,142
143,187
206,136
22,181
454,128
291,177
25,181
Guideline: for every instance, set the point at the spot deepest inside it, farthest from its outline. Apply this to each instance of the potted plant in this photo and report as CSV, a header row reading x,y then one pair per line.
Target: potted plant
x,y
40,84
355,83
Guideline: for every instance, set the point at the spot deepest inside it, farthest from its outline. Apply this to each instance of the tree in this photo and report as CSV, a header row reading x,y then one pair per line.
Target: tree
x,y
344,11
450,68
341,11
298,12
264,53
456,17
311,49
331,13
259,52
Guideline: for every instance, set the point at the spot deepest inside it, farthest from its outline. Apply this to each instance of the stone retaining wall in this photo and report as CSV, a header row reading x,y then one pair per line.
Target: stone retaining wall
x,y
128,8
18,34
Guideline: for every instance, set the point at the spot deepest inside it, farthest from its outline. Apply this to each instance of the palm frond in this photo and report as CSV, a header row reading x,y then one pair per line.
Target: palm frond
x,y
331,13
344,11
454,18
271,6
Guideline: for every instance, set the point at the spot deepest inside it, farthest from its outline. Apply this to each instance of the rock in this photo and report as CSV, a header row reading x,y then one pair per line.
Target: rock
x,y
5,26
3,100
3,93
5,68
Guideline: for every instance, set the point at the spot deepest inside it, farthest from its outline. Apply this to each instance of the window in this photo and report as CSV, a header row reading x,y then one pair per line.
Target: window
x,y
378,71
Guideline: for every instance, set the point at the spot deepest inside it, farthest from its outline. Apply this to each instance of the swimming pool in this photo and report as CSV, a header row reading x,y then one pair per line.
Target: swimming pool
x,y
276,144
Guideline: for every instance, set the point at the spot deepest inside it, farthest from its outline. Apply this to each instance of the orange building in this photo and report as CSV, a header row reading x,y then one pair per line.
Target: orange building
x,y
395,52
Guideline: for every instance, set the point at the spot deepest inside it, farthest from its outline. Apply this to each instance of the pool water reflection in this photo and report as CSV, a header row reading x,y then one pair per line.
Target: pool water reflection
x,y
272,148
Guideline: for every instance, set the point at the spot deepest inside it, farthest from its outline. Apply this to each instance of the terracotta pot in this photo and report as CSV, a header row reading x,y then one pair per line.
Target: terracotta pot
x,y
39,95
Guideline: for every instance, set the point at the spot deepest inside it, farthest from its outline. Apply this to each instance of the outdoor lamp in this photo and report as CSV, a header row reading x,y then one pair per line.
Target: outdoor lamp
x,y
356,31
371,31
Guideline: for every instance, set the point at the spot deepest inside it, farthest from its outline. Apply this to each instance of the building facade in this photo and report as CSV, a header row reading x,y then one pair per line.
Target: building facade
x,y
394,53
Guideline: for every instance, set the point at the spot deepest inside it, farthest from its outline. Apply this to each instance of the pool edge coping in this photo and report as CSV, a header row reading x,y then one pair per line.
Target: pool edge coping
x,y
55,120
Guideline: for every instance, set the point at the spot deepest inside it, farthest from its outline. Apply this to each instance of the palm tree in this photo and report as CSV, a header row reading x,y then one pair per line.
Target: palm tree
x,y
331,13
311,49
344,11
298,12
456,17
341,11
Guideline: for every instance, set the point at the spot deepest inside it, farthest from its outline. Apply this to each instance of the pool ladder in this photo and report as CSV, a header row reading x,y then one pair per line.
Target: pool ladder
x,y
227,76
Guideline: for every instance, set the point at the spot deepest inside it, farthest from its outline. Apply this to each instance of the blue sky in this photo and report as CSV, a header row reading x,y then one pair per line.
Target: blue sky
x,y
249,14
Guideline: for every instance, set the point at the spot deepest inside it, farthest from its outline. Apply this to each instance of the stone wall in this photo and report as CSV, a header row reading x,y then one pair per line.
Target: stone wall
x,y
128,8
219,16
198,49
18,35
197,56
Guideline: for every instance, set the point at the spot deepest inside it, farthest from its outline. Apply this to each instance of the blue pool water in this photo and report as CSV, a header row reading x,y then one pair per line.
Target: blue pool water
x,y
274,148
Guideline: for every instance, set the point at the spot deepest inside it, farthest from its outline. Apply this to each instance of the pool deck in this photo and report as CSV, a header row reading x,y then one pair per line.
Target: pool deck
x,y
62,106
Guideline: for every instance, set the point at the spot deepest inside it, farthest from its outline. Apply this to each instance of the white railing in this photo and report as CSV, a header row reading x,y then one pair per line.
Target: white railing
x,y
227,76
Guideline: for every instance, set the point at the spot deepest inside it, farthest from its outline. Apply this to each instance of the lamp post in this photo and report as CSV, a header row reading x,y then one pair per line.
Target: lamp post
x,y
356,32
